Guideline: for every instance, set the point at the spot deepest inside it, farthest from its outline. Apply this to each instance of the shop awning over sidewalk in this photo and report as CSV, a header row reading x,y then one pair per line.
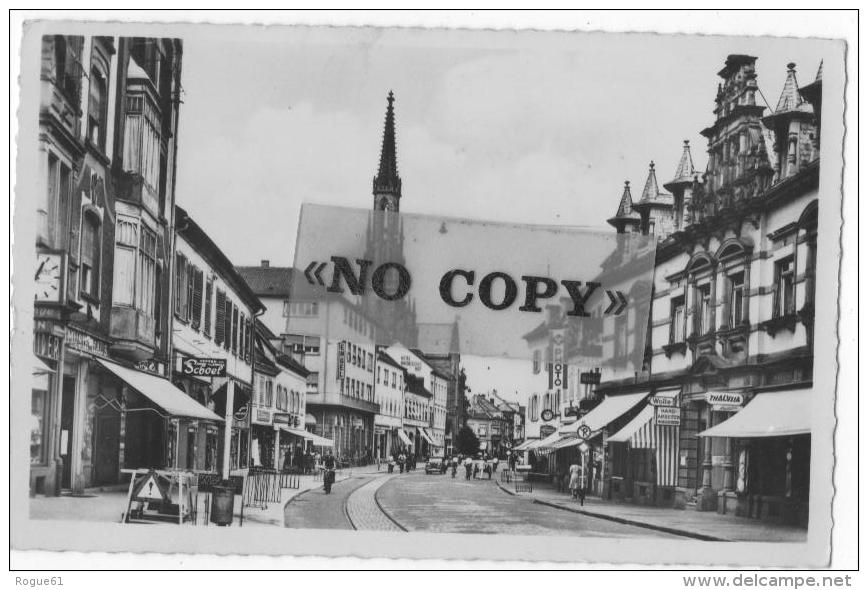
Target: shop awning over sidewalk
x,y
525,445
403,436
320,441
160,391
771,413
427,436
40,367
548,443
611,408
638,432
300,433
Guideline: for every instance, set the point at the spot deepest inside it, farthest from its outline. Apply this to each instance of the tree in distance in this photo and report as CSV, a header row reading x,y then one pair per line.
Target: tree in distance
x,y
466,441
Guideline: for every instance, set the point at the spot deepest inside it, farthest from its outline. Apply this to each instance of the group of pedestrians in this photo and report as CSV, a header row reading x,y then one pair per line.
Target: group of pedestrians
x,y
404,462
475,468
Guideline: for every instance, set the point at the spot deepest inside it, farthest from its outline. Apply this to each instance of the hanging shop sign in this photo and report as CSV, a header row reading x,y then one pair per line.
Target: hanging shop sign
x,y
546,430
667,416
263,416
279,418
203,367
547,415
583,432
664,401
590,377
729,401
557,368
150,366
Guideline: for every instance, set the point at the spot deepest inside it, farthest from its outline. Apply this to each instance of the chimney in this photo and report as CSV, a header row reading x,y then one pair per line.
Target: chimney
x,y
264,264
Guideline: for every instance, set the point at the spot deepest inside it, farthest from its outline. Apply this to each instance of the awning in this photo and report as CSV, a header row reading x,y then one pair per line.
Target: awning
x,y
427,436
320,441
567,441
637,432
770,413
404,438
611,408
160,391
300,433
310,419
39,366
548,442
524,446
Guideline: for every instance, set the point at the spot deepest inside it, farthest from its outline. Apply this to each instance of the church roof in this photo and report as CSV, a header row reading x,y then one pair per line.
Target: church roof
x,y
387,179
651,195
685,171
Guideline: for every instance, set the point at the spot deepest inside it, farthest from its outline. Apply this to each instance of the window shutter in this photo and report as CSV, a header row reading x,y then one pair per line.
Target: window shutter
x,y
198,278
180,264
220,318
227,324
248,345
234,330
208,287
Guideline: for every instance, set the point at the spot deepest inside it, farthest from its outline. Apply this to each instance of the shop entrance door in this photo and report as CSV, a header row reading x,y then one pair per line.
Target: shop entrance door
x,y
67,417
107,436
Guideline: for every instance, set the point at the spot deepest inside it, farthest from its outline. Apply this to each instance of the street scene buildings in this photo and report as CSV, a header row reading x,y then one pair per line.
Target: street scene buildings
x,y
157,356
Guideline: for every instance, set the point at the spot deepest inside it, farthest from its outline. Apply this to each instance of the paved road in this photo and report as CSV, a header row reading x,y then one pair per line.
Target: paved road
x,y
440,504
317,510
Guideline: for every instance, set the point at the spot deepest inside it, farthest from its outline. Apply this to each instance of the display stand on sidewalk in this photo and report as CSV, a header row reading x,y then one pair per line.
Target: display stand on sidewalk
x,y
161,496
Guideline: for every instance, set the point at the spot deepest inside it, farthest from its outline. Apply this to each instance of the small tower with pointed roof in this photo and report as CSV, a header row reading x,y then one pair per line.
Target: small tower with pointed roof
x,y
813,93
655,207
793,127
387,183
626,220
681,187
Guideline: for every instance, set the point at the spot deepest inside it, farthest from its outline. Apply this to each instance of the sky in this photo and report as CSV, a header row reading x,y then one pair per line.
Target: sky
x,y
508,126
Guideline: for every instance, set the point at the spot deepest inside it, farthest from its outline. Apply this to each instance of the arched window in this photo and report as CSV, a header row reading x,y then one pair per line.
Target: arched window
x,y
90,254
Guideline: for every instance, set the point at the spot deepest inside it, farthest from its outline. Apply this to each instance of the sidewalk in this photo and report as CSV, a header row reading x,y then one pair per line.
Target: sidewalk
x,y
108,505
706,526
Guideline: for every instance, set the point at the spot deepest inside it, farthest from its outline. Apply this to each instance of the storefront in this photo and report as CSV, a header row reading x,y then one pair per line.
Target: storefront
x,y
771,443
644,453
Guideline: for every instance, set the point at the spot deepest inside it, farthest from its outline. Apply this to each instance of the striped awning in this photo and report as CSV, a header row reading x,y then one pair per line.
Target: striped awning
x,y
642,433
610,409
403,436
525,445
426,436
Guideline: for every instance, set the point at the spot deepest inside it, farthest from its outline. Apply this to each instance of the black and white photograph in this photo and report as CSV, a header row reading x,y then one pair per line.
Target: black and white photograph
x,y
431,293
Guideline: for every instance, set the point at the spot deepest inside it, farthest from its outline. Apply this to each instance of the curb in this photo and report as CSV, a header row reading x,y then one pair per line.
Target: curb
x,y
504,489
644,525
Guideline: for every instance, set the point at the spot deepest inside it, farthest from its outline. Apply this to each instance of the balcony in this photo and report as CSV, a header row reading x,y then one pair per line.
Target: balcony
x,y
134,333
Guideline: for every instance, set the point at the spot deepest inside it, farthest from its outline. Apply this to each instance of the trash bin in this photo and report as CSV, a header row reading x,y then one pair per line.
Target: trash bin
x,y
222,505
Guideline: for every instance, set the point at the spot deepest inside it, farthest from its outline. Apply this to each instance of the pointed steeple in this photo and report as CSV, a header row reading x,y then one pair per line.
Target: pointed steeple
x,y
651,192
387,181
819,72
626,215
685,171
791,99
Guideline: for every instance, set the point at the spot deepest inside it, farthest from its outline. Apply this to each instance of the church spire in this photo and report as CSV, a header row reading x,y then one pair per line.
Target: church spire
x,y
387,183
626,218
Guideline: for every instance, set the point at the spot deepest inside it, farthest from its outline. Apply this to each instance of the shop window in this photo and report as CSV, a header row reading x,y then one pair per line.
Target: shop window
x,y
676,333
90,255
784,287
38,414
96,115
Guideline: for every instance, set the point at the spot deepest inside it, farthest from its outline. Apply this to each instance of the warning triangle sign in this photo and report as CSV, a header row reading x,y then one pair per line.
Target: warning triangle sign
x,y
150,489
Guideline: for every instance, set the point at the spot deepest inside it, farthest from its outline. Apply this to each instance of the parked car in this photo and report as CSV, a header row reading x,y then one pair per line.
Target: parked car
x,y
435,465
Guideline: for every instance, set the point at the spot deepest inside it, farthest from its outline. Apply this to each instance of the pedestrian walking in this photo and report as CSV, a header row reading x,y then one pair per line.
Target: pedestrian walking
x,y
454,466
494,464
401,462
575,484
468,466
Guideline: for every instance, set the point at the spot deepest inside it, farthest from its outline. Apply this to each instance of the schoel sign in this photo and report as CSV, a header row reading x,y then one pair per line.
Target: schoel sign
x,y
204,367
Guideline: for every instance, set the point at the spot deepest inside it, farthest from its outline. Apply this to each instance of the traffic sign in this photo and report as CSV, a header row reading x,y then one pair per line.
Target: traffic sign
x,y
151,489
584,432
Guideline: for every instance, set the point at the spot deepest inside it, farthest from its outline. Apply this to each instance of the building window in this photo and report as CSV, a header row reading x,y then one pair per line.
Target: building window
x,y
311,345
90,255
379,370
182,284
235,330
676,333
784,292
54,214
394,380
96,110
286,309
142,146
703,309
736,299
227,324
312,380
135,272
67,66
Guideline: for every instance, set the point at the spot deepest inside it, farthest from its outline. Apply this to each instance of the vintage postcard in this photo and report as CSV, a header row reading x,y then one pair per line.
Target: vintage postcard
x,y
426,293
